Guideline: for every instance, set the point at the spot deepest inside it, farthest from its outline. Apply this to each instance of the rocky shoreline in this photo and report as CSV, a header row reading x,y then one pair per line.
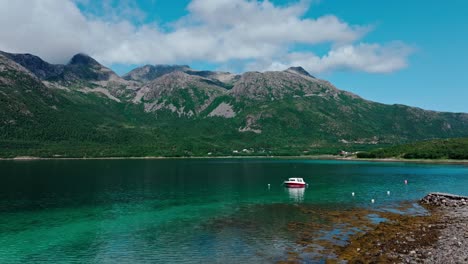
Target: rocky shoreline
x,y
452,243
445,200
311,157
440,237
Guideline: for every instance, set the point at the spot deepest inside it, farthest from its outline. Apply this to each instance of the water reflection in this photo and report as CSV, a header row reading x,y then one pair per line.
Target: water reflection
x,y
296,194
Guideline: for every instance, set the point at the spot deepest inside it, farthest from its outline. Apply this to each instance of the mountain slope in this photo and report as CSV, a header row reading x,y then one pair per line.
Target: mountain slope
x,y
179,93
279,85
22,94
84,109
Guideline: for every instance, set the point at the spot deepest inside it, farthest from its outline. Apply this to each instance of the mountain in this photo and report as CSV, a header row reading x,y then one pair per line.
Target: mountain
x,y
36,65
34,112
150,72
22,94
179,93
279,85
80,68
82,72
83,108
84,68
299,70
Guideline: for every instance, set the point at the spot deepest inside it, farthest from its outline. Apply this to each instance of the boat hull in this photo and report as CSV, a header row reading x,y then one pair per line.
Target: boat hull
x,y
294,185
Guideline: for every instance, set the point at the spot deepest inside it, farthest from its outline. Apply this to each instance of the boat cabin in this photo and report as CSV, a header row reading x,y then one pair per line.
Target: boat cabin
x,y
300,180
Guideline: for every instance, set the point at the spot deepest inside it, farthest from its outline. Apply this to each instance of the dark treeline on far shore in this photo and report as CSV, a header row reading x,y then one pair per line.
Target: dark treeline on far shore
x,y
455,148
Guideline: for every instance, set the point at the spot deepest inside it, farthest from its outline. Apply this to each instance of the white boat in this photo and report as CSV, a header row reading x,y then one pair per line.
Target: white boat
x,y
295,183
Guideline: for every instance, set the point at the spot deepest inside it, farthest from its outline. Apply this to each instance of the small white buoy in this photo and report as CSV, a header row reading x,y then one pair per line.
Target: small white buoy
x,y
352,194
268,186
406,181
372,201
388,192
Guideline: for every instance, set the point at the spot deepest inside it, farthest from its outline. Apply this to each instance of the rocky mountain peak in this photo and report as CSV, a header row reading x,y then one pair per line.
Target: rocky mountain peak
x,y
35,65
299,70
83,59
82,67
180,80
148,72
279,84
224,78
82,73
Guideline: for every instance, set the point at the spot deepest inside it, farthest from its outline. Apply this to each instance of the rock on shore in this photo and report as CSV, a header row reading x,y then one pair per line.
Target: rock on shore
x,y
445,199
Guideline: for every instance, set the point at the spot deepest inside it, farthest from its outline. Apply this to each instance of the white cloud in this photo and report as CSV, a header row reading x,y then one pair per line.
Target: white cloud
x,y
372,58
217,31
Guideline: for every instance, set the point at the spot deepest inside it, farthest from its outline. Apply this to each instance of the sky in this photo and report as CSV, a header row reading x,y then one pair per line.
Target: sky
x,y
405,52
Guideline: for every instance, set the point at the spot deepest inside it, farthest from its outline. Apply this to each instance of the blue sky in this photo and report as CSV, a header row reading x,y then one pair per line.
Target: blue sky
x,y
437,75
406,52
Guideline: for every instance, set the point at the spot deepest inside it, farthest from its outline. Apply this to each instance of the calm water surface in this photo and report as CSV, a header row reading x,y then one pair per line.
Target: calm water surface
x,y
191,211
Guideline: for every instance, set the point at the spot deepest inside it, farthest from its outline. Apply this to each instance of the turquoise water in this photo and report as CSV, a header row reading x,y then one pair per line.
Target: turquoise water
x,y
188,210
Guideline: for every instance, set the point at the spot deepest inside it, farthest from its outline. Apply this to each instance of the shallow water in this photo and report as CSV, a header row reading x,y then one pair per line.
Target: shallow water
x,y
189,210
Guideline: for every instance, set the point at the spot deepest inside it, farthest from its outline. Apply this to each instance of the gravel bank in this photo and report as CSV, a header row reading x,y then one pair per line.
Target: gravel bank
x,y
452,243
441,237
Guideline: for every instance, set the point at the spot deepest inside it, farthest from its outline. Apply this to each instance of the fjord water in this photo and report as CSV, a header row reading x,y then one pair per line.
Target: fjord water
x,y
188,210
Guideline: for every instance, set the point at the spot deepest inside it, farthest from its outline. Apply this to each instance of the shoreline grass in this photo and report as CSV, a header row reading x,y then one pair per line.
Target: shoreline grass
x,y
311,157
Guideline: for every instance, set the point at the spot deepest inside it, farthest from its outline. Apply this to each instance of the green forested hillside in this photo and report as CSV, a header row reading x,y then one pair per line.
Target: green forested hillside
x,y
454,148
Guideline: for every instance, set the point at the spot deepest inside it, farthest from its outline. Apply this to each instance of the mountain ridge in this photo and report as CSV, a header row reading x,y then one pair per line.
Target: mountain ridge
x,y
183,111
